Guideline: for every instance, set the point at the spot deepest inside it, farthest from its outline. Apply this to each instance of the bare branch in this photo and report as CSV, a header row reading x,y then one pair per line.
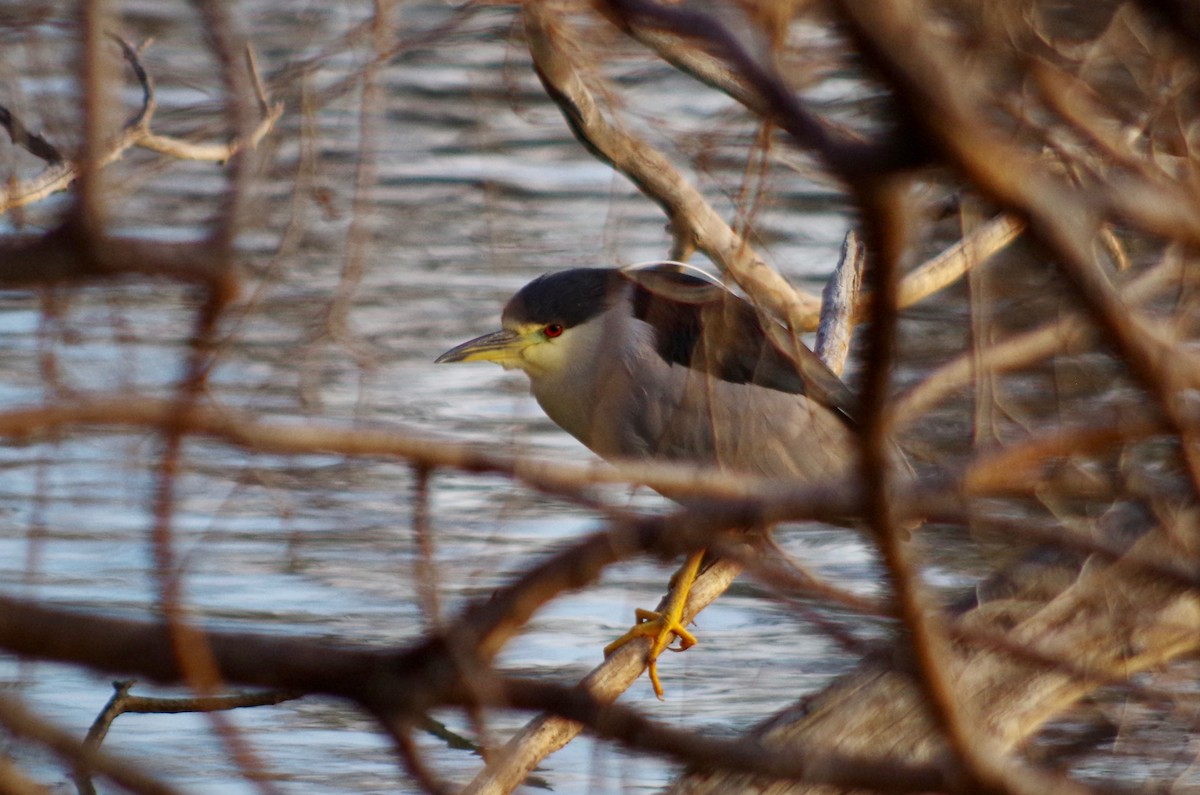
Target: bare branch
x,y
689,213
949,266
507,767
23,723
63,256
35,144
122,702
422,448
1082,623
839,300
1028,348
921,70
850,159
137,133
633,730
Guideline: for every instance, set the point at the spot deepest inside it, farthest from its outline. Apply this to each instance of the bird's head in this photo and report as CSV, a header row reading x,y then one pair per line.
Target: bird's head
x,y
542,325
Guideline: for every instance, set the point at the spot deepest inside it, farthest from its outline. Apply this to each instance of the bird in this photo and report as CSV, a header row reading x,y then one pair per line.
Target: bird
x,y
662,361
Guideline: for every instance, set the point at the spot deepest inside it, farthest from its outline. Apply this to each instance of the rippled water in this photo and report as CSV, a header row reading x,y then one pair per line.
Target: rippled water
x,y
479,188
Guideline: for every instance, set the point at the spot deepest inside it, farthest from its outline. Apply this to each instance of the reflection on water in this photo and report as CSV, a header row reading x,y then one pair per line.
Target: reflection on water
x,y
480,187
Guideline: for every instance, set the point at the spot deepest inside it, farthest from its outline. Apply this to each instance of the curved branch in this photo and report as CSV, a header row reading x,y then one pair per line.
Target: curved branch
x,y
20,722
61,174
690,215
850,158
950,111
122,703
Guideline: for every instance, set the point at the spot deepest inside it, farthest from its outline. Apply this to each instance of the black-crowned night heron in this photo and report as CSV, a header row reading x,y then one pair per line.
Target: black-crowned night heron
x,y
662,361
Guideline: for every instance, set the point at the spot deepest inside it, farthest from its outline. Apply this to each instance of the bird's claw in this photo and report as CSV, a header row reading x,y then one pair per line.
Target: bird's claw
x,y
661,628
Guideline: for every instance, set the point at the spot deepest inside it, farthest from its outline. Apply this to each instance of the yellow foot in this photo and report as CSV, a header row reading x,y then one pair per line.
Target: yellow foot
x,y
661,629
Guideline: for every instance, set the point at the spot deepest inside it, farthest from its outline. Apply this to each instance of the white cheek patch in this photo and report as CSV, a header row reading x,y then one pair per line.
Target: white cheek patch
x,y
547,355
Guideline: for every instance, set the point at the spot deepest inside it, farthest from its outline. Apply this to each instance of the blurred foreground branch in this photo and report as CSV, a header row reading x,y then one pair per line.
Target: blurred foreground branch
x,y
1074,419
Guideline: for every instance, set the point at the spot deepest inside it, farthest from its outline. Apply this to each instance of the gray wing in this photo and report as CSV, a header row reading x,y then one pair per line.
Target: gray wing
x,y
700,324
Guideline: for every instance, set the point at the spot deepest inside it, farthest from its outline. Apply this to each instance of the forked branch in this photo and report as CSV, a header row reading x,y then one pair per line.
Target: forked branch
x,y
60,172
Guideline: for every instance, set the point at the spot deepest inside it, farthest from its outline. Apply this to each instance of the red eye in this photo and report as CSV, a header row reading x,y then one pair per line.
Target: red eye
x,y
553,330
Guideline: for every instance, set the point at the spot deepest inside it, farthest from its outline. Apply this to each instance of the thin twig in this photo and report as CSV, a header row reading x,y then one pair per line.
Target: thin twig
x,y
35,144
121,702
21,722
137,132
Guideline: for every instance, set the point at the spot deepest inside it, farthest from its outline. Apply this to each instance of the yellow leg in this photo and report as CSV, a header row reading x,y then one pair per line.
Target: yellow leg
x,y
663,627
